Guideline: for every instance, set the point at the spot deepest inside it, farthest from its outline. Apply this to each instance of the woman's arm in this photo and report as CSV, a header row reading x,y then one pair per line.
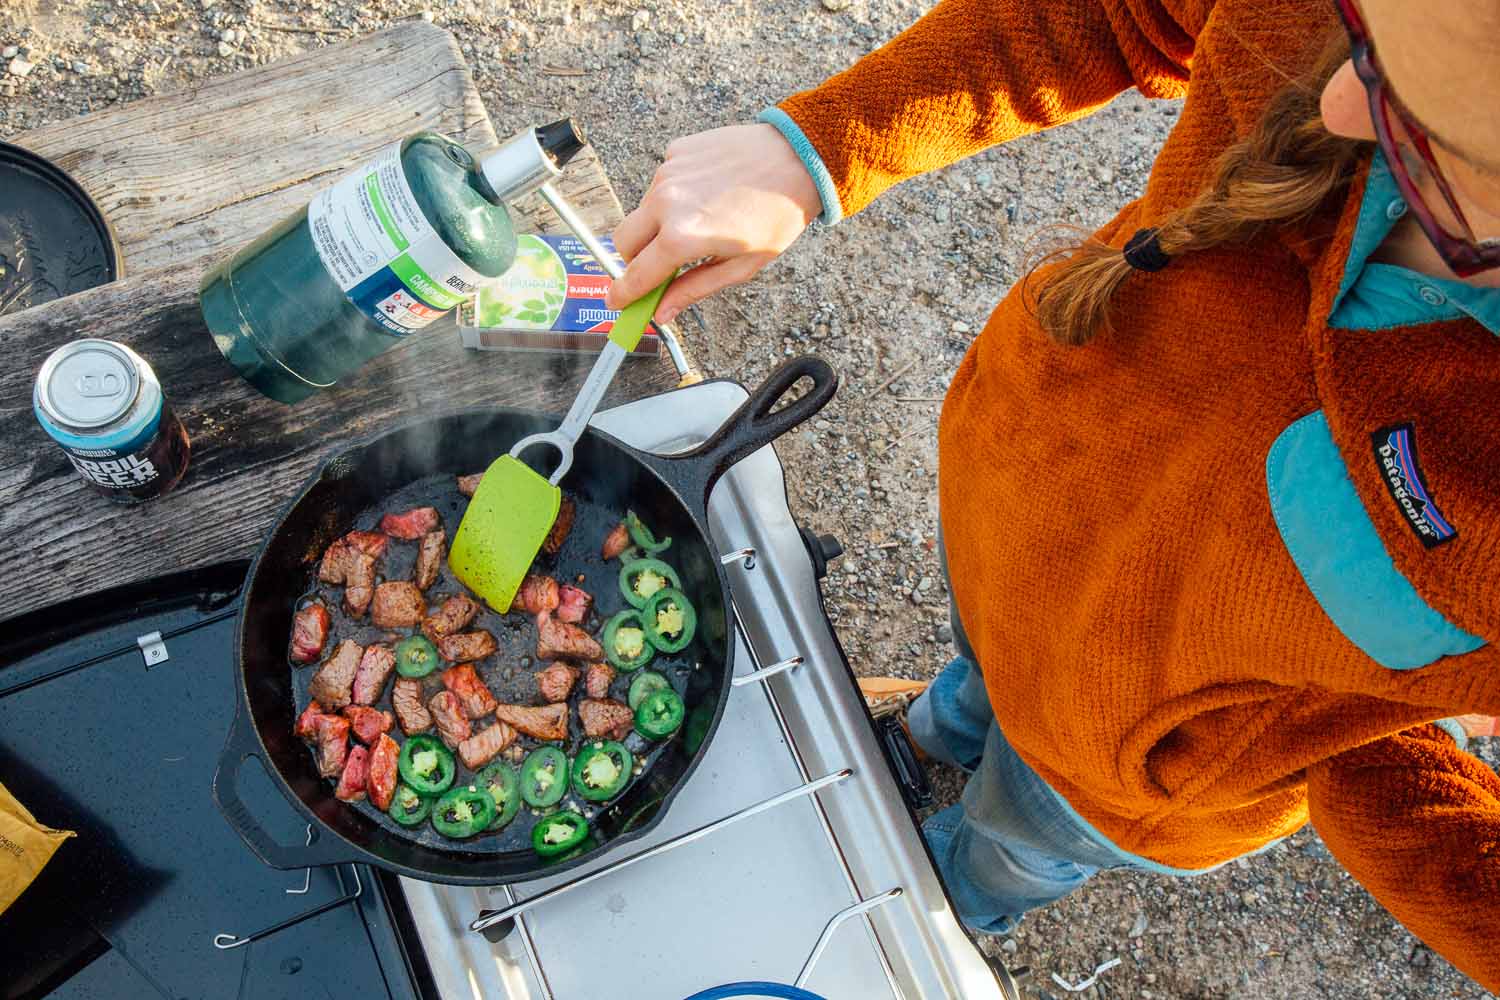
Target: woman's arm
x,y
974,73
970,74
1417,821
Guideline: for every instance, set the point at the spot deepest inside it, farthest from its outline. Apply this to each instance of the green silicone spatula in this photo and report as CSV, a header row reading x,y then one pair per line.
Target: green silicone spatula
x,y
513,509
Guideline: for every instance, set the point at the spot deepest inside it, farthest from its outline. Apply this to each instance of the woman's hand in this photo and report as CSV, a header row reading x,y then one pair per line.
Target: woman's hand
x,y
733,198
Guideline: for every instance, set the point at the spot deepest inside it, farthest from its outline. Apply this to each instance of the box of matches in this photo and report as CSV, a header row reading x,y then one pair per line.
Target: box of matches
x,y
551,300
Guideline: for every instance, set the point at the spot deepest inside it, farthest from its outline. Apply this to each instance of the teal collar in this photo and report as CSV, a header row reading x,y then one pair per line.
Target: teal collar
x,y
1375,296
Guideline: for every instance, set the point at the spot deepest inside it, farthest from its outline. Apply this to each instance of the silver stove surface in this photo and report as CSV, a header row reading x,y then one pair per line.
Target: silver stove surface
x,y
750,900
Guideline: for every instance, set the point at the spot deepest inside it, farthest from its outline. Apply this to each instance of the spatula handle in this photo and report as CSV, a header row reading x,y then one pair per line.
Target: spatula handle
x,y
579,414
623,338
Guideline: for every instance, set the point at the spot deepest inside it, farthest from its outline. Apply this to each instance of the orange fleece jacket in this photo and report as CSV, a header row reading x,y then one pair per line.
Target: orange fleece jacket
x,y
1148,644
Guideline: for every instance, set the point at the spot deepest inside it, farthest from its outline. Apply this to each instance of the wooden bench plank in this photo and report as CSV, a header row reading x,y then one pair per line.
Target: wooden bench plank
x,y
184,177
249,454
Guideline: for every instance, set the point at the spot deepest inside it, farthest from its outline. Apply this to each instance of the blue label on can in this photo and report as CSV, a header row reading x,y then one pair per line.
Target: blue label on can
x,y
117,459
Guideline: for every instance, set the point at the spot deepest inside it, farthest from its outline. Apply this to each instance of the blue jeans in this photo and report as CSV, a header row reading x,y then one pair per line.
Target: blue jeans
x,y
1012,844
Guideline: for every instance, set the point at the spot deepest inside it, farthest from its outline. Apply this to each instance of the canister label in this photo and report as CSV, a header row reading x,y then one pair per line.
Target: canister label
x,y
376,243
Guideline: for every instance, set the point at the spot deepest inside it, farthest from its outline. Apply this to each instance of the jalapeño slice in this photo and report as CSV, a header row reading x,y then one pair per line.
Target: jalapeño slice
x,y
544,777
643,537
416,656
463,812
499,779
659,714
426,765
645,682
602,770
559,833
624,641
669,620
640,579
583,847
407,807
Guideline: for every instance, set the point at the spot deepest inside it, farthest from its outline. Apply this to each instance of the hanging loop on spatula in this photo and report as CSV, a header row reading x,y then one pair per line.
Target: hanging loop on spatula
x,y
623,338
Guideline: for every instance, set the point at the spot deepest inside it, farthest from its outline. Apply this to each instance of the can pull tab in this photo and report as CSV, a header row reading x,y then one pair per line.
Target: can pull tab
x,y
100,385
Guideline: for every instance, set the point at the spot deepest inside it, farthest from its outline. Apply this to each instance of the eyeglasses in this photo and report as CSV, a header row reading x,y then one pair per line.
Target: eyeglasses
x,y
1402,138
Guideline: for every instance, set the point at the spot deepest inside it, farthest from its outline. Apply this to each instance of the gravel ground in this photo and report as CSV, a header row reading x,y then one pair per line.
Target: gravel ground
x,y
892,298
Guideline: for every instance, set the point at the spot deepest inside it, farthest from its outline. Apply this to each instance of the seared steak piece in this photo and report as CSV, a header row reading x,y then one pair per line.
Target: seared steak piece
x,y
309,632
351,562
557,640
448,712
454,616
605,717
331,685
481,748
307,723
560,528
467,485
573,604
538,594
371,543
466,647
374,667
556,682
381,783
356,771
547,723
333,744
406,699
464,681
359,588
412,524
430,558
342,553
597,679
617,541
367,723
398,604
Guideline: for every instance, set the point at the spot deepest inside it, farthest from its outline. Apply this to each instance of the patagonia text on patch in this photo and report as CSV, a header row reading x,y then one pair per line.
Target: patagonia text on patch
x,y
1396,454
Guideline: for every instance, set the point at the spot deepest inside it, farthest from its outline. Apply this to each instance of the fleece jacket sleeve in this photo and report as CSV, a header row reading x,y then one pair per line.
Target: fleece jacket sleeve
x,y
1417,821
974,73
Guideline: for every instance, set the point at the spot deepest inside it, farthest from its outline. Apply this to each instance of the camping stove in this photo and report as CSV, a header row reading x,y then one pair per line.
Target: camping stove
x,y
791,856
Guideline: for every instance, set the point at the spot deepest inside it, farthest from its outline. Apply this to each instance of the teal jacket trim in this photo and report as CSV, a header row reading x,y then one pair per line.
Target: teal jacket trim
x,y
1340,555
1455,729
828,193
1376,296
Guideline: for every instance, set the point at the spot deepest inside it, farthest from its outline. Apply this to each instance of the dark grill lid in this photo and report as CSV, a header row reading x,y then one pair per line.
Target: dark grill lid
x,y
54,241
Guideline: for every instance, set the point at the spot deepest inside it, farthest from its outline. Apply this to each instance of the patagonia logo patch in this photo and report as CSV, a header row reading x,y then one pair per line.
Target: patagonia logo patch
x,y
1396,453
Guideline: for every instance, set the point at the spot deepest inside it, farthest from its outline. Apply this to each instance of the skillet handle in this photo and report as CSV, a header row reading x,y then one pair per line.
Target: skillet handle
x,y
753,425
238,748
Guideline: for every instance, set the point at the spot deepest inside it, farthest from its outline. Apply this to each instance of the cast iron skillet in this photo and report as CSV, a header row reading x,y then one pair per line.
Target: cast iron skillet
x,y
670,494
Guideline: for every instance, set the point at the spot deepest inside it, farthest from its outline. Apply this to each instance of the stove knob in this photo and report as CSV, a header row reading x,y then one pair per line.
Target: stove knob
x,y
823,549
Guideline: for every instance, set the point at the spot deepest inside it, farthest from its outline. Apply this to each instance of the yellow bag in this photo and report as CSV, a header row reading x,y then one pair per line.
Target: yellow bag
x,y
25,847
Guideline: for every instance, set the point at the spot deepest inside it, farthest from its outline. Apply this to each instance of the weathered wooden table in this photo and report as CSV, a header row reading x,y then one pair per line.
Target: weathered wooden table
x,y
185,179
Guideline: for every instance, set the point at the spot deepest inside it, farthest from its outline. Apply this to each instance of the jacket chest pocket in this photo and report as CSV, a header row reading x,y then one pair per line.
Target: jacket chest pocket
x,y
1338,551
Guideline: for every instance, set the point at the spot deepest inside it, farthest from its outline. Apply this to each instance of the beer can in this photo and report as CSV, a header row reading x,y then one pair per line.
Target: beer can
x,y
101,402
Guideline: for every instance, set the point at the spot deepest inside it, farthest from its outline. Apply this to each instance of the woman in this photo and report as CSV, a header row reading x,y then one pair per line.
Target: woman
x,y
1220,488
